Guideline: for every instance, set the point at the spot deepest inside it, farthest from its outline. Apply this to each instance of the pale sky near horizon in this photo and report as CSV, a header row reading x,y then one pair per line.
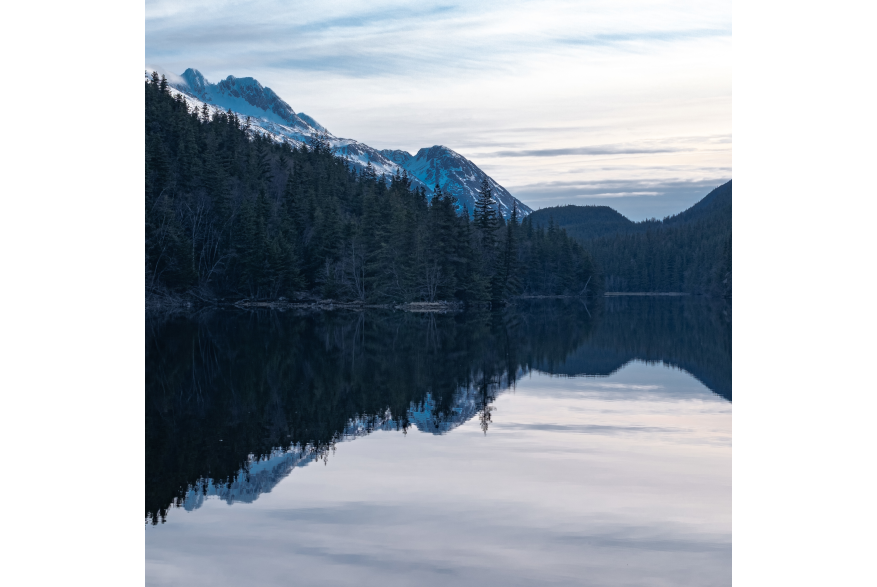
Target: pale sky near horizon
x,y
625,103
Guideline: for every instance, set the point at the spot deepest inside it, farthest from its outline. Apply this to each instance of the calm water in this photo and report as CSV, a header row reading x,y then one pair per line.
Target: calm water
x,y
548,444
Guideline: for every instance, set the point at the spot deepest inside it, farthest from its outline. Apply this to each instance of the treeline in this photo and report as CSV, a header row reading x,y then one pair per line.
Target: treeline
x,y
688,252
230,213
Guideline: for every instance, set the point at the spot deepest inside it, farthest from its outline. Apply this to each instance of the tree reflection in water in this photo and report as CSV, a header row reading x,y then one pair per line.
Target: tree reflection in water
x,y
235,400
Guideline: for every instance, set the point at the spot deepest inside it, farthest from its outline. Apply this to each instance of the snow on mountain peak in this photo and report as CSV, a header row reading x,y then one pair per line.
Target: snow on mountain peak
x,y
195,80
272,116
400,157
312,122
456,176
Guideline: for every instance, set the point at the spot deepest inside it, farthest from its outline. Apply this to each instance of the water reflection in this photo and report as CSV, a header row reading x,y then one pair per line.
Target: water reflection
x,y
235,401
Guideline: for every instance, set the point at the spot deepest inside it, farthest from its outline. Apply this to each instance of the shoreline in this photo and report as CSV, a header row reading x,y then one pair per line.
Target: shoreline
x,y
191,302
610,294
417,307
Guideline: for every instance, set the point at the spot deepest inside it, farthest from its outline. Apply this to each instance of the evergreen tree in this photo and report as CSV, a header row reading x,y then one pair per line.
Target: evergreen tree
x,y
485,215
232,213
507,284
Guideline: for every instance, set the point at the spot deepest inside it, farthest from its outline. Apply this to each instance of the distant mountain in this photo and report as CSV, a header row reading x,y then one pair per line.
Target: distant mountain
x,y
687,252
271,115
717,201
584,222
456,175
589,222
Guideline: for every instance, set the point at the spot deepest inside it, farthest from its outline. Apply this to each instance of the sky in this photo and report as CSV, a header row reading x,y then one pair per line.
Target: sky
x,y
625,103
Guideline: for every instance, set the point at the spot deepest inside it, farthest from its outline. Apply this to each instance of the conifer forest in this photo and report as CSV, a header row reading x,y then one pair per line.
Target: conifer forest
x,y
231,214
687,252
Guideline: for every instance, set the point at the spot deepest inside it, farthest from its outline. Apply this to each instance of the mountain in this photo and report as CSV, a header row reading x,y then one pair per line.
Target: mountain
x,y
589,222
689,252
717,201
270,115
313,123
584,222
456,175
244,95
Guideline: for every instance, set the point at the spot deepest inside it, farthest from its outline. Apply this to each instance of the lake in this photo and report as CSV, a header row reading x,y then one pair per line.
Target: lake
x,y
551,443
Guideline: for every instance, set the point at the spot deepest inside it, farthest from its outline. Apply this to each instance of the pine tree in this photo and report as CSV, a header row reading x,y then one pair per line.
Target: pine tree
x,y
507,283
485,215
214,218
486,225
369,172
247,248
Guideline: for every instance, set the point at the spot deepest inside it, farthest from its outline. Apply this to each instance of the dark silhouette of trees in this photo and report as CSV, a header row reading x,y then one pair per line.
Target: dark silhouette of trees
x,y
688,252
260,381
231,213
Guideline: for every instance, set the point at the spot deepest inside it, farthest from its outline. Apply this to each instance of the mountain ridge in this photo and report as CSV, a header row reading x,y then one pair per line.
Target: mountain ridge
x,y
266,112
687,252
456,175
584,222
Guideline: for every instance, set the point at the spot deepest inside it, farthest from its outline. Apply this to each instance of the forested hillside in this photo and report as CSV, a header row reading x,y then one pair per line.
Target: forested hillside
x,y
688,252
231,213
585,222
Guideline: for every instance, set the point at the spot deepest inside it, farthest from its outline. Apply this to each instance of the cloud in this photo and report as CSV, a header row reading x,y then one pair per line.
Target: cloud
x,y
643,37
595,150
534,90
589,428
680,144
617,188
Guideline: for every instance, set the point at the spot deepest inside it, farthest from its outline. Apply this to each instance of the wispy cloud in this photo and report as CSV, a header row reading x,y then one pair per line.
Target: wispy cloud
x,y
551,192
595,150
590,428
645,37
537,91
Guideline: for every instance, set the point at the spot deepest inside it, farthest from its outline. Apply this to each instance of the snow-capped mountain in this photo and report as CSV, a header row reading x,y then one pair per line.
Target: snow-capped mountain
x,y
271,115
455,175
244,95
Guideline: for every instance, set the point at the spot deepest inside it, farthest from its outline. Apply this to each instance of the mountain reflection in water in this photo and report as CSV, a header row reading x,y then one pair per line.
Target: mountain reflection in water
x,y
236,400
